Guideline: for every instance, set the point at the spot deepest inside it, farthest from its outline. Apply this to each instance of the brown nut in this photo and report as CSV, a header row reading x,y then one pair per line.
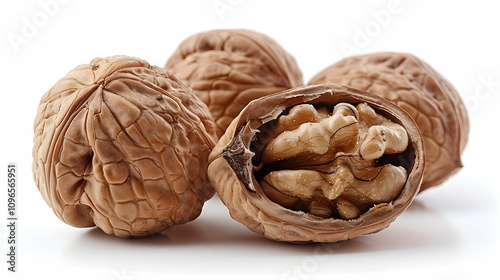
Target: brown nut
x,y
320,163
426,95
122,145
229,68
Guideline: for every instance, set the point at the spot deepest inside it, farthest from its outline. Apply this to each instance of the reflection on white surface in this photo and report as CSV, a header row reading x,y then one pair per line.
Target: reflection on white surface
x,y
421,237
444,231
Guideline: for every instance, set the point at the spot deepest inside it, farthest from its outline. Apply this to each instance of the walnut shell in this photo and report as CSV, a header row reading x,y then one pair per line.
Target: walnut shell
x,y
229,68
331,144
122,145
427,96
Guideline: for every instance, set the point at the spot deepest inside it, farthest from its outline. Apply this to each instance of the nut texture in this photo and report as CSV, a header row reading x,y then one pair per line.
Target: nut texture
x,y
229,68
426,95
122,145
320,163
324,170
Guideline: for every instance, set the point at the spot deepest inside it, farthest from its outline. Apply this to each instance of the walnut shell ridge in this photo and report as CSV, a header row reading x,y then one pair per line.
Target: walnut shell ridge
x,y
420,90
229,68
123,145
233,165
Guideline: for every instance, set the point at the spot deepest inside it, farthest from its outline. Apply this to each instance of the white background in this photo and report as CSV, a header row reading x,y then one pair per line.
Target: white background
x,y
450,232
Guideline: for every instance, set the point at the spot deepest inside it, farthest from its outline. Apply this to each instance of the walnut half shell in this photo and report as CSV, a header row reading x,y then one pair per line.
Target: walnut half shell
x,y
122,145
320,163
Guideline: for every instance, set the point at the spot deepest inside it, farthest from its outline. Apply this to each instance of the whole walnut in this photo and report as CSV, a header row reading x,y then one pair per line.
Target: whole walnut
x,y
321,163
229,68
427,96
123,145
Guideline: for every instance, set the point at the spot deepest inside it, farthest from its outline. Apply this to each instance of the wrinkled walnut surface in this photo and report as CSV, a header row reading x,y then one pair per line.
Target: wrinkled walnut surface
x,y
122,145
347,162
426,95
229,68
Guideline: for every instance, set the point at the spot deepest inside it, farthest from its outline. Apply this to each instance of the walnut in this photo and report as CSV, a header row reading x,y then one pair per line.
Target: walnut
x,y
326,161
320,163
122,145
427,96
229,68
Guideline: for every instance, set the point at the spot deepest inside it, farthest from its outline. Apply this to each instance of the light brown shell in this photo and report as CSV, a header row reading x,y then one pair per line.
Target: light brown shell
x,y
427,96
231,170
229,68
122,145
